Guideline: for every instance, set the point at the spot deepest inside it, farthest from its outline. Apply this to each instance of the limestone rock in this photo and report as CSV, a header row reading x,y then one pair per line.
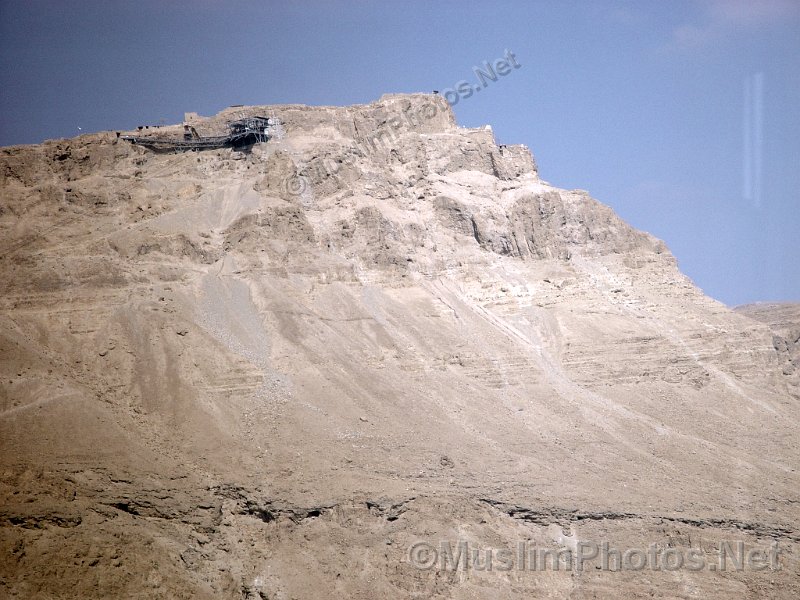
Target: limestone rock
x,y
271,373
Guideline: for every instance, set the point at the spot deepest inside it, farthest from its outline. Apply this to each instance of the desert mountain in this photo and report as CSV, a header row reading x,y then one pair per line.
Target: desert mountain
x,y
270,372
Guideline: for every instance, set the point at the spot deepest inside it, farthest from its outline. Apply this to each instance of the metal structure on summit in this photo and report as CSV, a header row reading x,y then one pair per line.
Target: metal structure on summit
x,y
241,132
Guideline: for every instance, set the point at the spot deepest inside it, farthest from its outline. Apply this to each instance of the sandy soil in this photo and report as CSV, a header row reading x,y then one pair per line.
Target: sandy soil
x,y
275,373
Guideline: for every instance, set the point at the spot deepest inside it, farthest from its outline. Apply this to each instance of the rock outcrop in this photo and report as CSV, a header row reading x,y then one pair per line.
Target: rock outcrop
x,y
271,373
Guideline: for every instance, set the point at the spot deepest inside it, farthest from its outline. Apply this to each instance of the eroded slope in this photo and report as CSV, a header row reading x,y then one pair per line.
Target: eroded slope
x,y
267,374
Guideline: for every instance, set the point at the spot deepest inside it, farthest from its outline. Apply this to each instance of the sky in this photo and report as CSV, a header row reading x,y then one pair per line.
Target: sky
x,y
683,116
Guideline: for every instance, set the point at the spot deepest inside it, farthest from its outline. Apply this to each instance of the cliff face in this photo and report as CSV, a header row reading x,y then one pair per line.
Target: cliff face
x,y
270,373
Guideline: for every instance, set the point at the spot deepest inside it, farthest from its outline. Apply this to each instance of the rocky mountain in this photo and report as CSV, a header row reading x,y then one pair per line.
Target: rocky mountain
x,y
308,368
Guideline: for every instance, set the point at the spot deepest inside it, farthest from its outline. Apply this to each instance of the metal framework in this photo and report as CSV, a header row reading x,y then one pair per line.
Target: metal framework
x,y
242,132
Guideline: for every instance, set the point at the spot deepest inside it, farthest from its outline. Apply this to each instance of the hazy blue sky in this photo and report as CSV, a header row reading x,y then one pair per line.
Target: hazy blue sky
x,y
684,116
